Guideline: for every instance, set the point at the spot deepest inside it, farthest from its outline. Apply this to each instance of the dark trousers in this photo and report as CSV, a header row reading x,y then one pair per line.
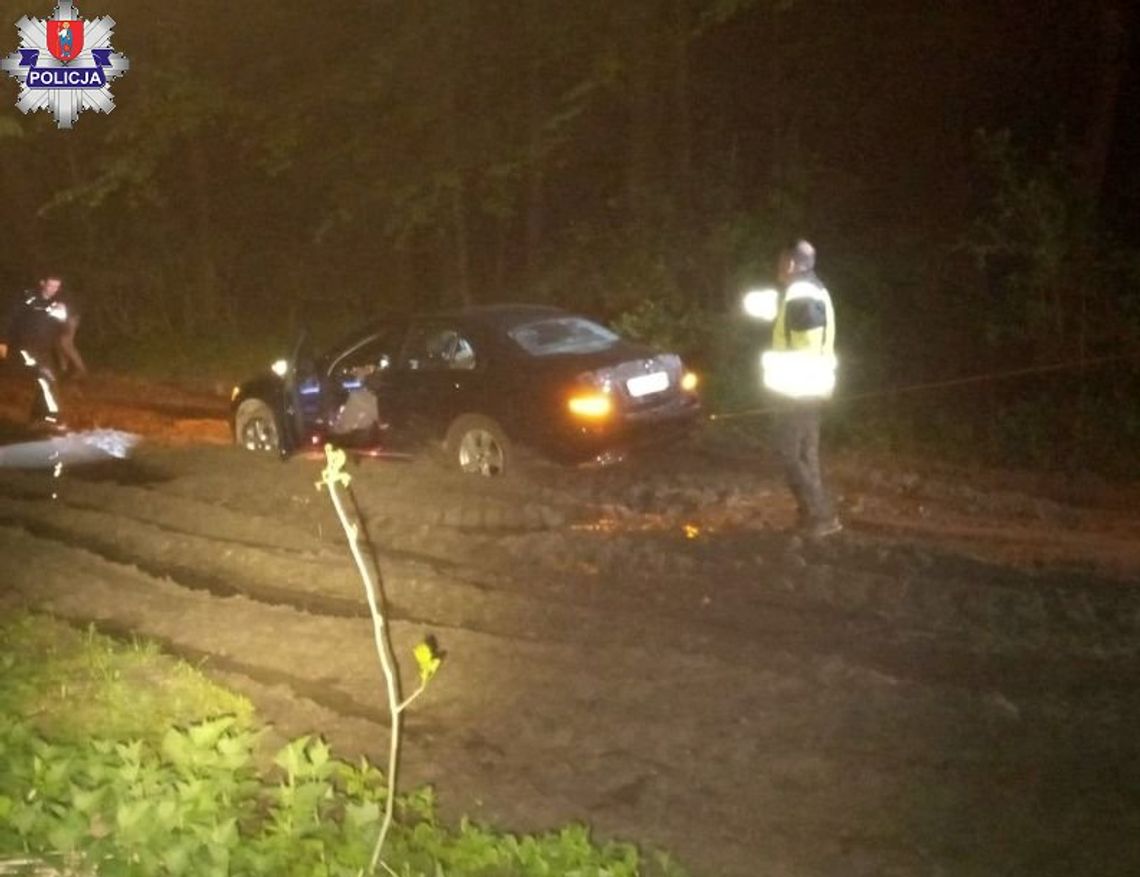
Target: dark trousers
x,y
796,437
45,404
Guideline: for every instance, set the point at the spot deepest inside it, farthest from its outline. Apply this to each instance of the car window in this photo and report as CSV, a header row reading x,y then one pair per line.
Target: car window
x,y
554,335
438,348
374,354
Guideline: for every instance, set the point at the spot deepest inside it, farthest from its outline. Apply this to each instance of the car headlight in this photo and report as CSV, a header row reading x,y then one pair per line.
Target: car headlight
x,y
280,368
690,382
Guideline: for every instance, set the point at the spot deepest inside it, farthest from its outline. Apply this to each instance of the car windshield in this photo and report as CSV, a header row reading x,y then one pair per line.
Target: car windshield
x,y
555,335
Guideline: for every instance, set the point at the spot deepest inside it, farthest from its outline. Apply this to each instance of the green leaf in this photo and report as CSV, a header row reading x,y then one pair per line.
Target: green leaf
x,y
176,747
66,834
318,754
206,734
86,800
130,814
129,753
360,815
225,835
176,858
166,813
291,756
309,797
236,750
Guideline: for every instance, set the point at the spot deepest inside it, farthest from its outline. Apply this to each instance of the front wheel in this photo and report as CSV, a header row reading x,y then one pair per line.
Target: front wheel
x,y
479,446
255,428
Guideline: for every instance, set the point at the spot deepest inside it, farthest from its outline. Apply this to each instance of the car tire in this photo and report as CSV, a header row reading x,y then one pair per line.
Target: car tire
x,y
256,428
477,445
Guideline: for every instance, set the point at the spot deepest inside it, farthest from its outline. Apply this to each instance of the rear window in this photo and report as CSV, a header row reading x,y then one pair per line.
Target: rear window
x,y
555,335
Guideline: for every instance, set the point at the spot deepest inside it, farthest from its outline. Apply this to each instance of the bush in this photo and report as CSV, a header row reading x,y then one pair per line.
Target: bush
x,y
195,804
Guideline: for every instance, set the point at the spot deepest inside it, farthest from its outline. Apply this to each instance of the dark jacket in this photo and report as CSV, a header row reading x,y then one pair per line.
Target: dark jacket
x,y
35,326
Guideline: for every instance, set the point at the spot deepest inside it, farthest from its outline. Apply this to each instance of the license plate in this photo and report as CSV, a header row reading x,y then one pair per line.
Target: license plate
x,y
645,385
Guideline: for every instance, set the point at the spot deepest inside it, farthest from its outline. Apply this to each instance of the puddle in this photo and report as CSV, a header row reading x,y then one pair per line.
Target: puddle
x,y
94,455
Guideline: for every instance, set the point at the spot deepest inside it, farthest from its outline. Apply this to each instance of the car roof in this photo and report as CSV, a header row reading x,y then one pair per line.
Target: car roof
x,y
500,316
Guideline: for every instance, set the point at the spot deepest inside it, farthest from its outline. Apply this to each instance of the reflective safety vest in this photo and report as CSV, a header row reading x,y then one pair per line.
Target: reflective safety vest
x,y
802,363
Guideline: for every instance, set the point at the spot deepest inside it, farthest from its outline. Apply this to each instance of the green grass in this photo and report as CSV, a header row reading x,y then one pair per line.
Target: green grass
x,y
117,761
73,685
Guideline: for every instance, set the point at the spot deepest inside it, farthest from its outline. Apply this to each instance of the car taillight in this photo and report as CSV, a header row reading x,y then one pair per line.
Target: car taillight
x,y
591,406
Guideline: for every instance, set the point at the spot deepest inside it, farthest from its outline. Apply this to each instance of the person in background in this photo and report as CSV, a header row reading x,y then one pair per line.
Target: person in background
x,y
71,364
31,341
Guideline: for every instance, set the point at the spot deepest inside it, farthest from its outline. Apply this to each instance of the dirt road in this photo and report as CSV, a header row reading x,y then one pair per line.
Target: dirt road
x,y
949,687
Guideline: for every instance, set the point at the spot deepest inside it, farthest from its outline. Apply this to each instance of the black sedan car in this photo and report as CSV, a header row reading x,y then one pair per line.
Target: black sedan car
x,y
481,381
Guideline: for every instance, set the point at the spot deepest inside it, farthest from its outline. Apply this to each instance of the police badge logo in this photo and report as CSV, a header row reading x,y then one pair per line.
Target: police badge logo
x,y
65,65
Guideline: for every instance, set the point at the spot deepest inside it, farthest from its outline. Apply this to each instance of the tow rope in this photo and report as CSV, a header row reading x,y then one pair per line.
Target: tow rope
x,y
983,378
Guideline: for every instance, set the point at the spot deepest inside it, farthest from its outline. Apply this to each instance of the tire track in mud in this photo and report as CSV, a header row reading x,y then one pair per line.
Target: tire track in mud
x,y
882,582
883,585
419,591
311,578
320,582
808,595
312,575
193,577
968,592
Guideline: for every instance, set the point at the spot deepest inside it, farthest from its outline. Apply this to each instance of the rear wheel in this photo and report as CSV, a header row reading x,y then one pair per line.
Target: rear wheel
x,y
255,428
479,446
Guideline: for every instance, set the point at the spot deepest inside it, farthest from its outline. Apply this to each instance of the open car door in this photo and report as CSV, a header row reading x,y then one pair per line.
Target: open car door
x,y
292,418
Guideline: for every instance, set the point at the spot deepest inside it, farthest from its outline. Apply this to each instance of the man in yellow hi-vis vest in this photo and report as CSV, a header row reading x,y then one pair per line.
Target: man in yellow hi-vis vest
x,y
800,370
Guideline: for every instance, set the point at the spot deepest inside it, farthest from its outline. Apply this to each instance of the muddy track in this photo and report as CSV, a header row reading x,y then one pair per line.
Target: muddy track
x,y
642,650
318,578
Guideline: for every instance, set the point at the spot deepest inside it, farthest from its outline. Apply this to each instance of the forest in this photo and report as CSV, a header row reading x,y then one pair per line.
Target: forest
x,y
963,169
